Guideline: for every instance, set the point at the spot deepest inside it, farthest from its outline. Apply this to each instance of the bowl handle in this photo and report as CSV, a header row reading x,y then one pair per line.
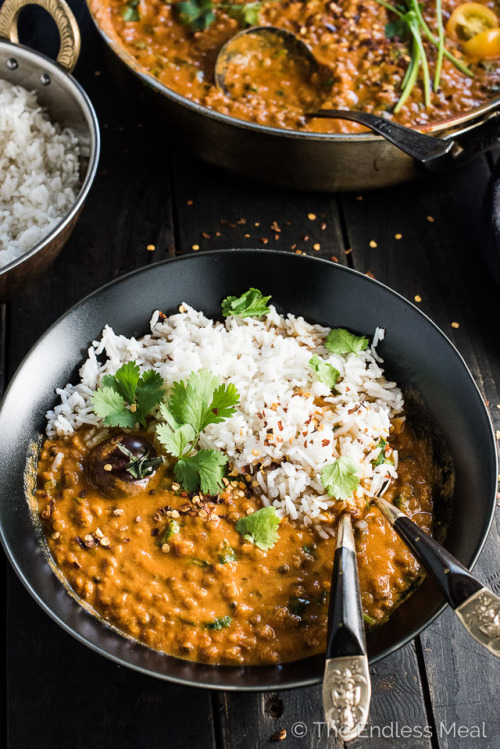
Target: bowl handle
x,y
64,19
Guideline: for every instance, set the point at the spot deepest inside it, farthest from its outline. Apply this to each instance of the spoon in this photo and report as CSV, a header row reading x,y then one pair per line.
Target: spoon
x,y
346,681
477,607
272,56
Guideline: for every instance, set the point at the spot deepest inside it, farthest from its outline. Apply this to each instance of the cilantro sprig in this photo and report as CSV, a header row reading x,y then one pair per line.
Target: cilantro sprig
x,y
250,304
326,372
127,397
341,341
261,527
192,405
340,478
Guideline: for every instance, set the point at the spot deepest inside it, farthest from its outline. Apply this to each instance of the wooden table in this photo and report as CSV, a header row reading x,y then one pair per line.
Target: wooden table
x,y
422,240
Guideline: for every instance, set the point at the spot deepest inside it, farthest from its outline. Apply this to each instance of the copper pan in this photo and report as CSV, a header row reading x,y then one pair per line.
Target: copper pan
x,y
310,161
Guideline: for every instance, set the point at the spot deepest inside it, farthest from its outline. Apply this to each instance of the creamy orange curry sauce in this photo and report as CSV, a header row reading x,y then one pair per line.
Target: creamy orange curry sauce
x,y
169,568
363,57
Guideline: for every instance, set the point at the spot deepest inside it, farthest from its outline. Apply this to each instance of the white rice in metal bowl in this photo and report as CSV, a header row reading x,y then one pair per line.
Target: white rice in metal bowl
x,y
39,168
279,430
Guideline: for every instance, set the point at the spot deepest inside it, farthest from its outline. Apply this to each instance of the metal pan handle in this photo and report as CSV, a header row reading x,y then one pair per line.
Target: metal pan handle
x,y
64,19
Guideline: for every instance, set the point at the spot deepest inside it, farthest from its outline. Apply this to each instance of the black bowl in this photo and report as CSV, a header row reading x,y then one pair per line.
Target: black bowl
x,y
417,354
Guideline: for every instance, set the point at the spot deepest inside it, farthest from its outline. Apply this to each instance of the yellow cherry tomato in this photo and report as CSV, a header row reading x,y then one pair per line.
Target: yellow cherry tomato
x,y
469,20
483,46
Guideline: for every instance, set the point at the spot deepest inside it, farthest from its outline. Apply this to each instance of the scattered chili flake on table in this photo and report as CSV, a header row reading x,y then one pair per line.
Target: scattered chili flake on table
x,y
264,240
455,325
311,216
373,243
189,202
275,226
151,247
279,735
348,251
334,259
322,226
369,274
359,197
418,298
430,219
316,246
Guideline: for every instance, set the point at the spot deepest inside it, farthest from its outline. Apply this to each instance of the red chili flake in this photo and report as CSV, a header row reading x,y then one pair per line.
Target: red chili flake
x,y
241,221
275,226
334,259
325,442
189,202
276,236
264,240
306,238
322,226
205,235
280,426
293,247
369,274
348,251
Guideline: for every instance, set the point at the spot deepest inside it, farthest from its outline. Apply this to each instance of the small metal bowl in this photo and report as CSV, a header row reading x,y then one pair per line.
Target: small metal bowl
x,y
66,104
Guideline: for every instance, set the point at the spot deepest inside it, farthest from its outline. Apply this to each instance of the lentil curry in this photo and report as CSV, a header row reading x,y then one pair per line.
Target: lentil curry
x,y
168,567
372,56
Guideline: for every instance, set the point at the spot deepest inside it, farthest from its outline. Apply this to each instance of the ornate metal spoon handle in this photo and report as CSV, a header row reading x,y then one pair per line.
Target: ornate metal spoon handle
x,y
346,683
424,148
477,607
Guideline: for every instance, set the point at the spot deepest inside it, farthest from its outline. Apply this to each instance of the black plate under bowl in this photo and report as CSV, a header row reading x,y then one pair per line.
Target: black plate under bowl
x,y
416,352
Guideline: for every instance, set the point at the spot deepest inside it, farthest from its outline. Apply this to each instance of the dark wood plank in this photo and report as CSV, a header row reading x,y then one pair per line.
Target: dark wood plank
x,y
397,712
217,210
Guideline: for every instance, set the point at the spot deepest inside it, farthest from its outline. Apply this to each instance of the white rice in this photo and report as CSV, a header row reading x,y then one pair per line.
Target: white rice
x,y
278,431
39,172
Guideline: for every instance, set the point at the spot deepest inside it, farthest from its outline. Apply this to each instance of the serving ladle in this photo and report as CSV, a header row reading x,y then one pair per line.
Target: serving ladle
x,y
477,607
269,46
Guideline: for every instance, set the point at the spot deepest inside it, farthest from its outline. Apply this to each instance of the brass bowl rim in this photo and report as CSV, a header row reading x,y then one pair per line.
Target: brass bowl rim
x,y
447,128
94,146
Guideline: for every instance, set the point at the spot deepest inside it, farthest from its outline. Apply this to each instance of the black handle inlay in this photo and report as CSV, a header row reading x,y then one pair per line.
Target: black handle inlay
x,y
346,632
454,581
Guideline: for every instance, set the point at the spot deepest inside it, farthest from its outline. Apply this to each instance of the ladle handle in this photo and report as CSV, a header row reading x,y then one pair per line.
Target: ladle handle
x,y
59,10
423,148
477,607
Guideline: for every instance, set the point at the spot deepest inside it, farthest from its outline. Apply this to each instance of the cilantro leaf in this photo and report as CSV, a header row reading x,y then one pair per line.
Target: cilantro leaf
x,y
340,478
186,475
127,387
224,402
340,341
261,527
249,304
201,401
246,14
149,393
381,456
109,406
124,381
326,373
175,441
397,28
130,12
221,623
197,15
209,465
